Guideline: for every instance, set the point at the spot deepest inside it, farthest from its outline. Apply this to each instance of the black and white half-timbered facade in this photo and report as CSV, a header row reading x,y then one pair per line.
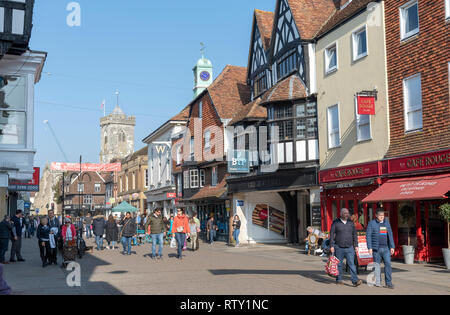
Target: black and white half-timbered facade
x,y
279,197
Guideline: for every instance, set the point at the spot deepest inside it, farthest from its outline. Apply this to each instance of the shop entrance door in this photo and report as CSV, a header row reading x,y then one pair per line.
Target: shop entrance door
x,y
436,231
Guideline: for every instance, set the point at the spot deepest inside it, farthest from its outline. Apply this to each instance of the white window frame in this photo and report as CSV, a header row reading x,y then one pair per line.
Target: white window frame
x,y
207,139
214,179
80,187
356,57
194,178
329,125
191,147
186,184
403,9
179,157
405,101
327,58
200,110
358,125
447,9
202,178
97,187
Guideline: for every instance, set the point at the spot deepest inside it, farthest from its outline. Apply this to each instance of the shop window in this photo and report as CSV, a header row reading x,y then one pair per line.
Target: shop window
x,y
334,210
407,223
409,19
436,226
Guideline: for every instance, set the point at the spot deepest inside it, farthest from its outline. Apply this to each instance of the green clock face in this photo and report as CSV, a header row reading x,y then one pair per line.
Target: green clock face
x,y
204,75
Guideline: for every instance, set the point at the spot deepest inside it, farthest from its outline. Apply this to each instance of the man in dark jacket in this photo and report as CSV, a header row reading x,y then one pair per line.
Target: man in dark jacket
x,y
53,222
98,225
128,232
157,229
18,224
5,236
380,242
344,242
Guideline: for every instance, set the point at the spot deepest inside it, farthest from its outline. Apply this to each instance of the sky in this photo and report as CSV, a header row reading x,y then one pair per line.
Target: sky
x,y
146,49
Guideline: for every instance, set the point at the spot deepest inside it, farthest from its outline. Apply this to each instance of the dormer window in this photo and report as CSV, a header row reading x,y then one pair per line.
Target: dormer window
x,y
286,65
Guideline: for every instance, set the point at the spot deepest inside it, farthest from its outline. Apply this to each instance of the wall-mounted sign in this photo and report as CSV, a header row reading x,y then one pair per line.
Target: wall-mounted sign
x,y
366,105
239,162
420,162
350,172
171,195
30,185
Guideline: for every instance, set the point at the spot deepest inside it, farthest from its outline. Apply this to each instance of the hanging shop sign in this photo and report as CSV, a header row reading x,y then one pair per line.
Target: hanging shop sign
x,y
171,195
366,105
239,162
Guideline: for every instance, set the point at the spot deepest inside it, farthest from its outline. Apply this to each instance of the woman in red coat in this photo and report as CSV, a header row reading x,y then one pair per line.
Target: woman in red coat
x,y
68,231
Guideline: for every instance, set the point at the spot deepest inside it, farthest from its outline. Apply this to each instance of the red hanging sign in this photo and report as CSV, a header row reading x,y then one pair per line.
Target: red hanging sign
x,y
366,105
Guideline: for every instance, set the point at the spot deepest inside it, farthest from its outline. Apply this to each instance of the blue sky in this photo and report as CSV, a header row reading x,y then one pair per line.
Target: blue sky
x,y
144,48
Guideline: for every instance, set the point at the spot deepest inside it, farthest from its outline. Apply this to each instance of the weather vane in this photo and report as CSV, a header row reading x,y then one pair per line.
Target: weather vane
x,y
202,49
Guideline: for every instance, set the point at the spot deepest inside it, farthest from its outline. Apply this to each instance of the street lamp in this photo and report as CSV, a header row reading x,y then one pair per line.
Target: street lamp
x,y
16,22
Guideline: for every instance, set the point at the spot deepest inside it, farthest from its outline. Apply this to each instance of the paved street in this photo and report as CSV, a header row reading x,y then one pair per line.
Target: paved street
x,y
217,269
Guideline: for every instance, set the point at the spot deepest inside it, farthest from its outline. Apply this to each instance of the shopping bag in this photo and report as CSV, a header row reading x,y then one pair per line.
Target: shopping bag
x,y
331,268
184,246
173,243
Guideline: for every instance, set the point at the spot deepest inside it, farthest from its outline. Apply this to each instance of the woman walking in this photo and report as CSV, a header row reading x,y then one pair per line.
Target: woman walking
x,y
236,229
43,235
194,236
112,232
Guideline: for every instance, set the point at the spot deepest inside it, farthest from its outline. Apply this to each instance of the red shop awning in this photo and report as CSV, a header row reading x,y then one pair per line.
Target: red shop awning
x,y
413,188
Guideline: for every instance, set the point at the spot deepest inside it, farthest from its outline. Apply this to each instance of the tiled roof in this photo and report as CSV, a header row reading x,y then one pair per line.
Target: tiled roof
x,y
311,15
290,88
251,111
264,20
229,91
211,191
341,15
134,155
183,115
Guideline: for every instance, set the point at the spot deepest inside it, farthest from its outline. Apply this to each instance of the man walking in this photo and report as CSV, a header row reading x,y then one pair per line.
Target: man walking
x,y
211,229
181,229
16,246
88,223
5,236
128,232
380,242
344,243
55,226
99,224
156,228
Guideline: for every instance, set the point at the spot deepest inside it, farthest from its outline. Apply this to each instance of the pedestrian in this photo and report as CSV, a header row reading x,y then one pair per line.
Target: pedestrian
x,y
157,229
236,229
180,228
98,225
88,223
5,236
27,226
17,222
43,236
380,242
344,243
55,224
211,229
32,227
198,229
4,287
194,235
68,231
53,245
128,232
310,231
169,228
112,232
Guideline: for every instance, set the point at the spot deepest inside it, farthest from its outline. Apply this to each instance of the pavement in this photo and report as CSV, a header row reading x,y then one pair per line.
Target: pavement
x,y
212,270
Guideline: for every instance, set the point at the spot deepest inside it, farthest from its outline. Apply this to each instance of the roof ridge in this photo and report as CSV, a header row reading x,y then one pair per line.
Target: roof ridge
x,y
325,23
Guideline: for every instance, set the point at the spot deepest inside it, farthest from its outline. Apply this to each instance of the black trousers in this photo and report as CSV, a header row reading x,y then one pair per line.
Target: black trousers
x,y
15,248
45,251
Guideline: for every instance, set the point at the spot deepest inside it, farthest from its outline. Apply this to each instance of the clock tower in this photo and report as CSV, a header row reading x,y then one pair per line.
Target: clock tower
x,y
203,75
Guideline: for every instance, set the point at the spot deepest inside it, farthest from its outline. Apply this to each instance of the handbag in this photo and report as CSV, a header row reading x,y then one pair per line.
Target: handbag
x,y
173,243
331,267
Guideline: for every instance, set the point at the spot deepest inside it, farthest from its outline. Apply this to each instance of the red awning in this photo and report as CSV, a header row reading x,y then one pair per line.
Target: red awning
x,y
413,188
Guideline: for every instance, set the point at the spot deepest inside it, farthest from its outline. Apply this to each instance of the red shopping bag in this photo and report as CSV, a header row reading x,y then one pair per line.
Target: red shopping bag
x,y
331,268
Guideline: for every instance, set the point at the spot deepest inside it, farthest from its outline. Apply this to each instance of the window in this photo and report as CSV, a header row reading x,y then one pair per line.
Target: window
x,y
447,9
87,199
202,178
126,182
359,43
409,19
191,147
333,127
186,179
214,178
80,187
286,65
200,110
121,185
260,84
194,178
412,93
207,139
179,187
13,107
97,188
146,178
363,130
331,58
179,155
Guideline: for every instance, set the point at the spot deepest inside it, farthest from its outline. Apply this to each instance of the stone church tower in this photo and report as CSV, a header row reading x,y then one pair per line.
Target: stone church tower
x,y
117,135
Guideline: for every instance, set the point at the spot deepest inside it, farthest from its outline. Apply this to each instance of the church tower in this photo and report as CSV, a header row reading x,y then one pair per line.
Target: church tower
x,y
203,74
117,135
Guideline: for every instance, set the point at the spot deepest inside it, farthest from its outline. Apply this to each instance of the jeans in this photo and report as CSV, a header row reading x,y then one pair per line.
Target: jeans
x,y
88,231
349,254
180,238
194,241
126,242
212,235
236,235
160,239
112,242
3,248
99,241
385,254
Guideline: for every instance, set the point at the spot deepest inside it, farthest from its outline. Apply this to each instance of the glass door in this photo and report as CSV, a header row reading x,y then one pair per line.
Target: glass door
x,y
436,231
